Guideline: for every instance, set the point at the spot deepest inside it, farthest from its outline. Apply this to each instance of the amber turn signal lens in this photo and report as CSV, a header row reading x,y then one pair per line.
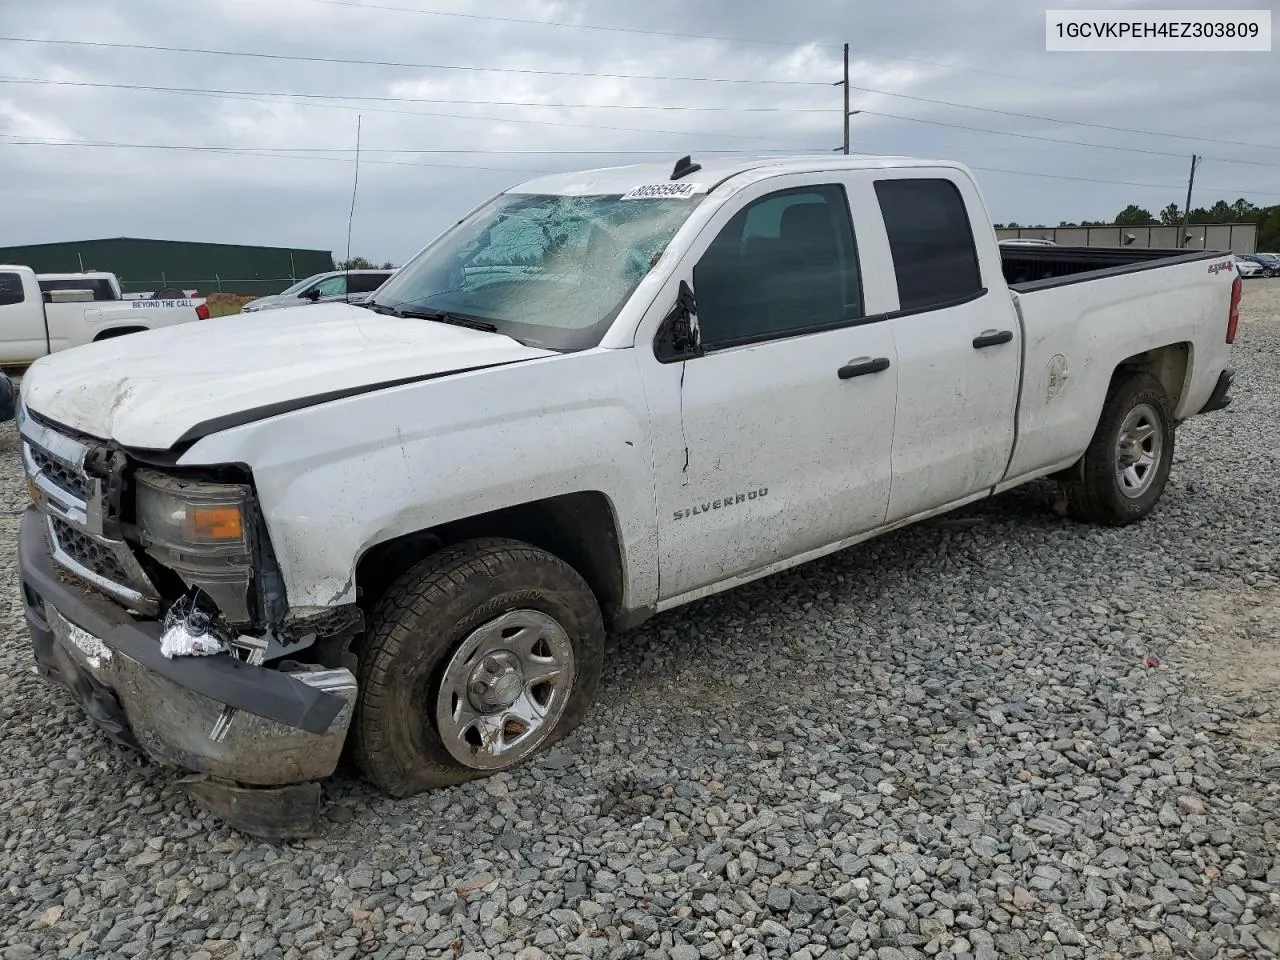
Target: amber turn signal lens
x,y
214,524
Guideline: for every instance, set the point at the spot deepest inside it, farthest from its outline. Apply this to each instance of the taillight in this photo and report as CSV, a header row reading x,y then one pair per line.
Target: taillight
x,y
1233,318
202,312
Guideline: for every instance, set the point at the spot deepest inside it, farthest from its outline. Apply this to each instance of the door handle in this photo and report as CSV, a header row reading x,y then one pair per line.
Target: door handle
x,y
992,338
862,366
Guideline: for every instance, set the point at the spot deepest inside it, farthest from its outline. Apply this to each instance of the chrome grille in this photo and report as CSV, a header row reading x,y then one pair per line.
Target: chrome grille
x,y
60,472
76,510
88,552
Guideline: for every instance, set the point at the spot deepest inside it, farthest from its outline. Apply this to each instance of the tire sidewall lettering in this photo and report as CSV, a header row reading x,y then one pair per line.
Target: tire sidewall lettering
x,y
504,603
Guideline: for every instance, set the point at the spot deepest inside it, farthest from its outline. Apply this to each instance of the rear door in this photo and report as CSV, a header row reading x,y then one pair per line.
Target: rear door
x,y
776,441
957,341
22,330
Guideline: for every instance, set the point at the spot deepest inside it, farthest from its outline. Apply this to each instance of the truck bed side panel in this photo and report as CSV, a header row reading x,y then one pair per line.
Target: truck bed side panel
x,y
1078,333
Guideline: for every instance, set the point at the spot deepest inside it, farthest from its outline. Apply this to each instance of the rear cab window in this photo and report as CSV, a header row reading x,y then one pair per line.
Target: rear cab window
x,y
11,289
931,242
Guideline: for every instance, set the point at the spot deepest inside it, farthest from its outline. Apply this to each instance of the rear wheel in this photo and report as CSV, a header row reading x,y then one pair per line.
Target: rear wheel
x,y
1127,463
478,657
118,332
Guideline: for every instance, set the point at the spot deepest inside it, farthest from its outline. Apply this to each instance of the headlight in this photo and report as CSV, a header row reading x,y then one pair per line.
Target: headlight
x,y
201,532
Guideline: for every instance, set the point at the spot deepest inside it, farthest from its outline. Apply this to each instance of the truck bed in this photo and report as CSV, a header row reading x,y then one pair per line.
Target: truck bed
x,y
1036,268
1134,301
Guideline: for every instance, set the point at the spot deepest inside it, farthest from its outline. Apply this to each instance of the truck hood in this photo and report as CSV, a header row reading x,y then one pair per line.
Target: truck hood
x,y
268,302
155,389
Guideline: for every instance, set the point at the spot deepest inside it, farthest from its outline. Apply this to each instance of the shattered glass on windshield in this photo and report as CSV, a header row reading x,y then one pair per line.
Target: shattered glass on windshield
x,y
549,270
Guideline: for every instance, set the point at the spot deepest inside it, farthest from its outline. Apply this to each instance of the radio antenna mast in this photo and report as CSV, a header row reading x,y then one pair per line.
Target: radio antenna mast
x,y
351,217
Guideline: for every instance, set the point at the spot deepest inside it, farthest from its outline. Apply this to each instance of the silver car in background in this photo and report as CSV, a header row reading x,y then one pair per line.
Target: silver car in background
x,y
1249,268
350,285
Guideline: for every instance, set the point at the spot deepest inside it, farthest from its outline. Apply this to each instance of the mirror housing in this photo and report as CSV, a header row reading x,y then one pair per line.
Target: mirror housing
x,y
679,337
313,294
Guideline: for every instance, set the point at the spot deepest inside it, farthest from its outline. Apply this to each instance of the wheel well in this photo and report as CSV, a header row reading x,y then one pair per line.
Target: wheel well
x,y
1167,364
578,528
117,332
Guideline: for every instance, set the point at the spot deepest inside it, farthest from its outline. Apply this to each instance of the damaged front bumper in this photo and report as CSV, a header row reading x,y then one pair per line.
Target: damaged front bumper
x,y
286,732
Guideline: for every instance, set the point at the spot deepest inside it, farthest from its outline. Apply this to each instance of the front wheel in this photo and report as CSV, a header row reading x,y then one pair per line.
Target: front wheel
x,y
1127,463
477,658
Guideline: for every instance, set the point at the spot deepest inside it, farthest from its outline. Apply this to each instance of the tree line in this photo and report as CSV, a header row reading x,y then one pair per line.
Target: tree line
x,y
1242,211
360,263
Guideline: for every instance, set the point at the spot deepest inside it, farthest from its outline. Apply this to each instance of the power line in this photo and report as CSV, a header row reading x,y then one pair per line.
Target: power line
x,y
258,152
435,100
529,21
260,96
1077,123
1122,183
309,100
297,58
311,153
672,34
425,151
1076,143
244,94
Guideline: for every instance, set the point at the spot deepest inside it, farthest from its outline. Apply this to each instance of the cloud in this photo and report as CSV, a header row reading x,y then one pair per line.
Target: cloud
x,y
983,53
18,122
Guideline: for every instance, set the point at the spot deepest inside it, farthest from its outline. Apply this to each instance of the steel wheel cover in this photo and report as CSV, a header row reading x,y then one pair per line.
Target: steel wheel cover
x,y
504,689
1138,449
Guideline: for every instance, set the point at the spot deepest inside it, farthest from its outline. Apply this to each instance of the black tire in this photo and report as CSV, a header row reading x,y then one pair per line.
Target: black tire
x,y
420,622
1098,497
118,332
169,293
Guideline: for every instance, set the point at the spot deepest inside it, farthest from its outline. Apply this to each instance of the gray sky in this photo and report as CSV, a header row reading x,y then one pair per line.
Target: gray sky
x,y
979,52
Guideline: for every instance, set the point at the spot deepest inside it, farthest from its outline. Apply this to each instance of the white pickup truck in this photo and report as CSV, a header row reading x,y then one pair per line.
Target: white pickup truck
x,y
43,314
408,524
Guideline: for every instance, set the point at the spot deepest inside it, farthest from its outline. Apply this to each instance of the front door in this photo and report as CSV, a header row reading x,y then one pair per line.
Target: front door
x,y
777,440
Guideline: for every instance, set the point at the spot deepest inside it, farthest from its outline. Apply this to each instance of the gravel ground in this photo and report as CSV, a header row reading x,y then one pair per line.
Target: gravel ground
x,y
998,734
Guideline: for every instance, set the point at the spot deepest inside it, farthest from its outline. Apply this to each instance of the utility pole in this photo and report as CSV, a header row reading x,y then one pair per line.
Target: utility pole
x,y
846,98
1186,211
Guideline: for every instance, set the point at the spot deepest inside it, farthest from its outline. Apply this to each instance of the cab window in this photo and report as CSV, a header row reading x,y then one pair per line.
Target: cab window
x,y
785,264
332,287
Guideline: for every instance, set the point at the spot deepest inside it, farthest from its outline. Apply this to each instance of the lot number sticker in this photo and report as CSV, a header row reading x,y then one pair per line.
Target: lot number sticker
x,y
662,191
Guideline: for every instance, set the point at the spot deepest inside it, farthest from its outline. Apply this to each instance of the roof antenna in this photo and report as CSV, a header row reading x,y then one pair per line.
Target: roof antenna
x,y
684,167
346,266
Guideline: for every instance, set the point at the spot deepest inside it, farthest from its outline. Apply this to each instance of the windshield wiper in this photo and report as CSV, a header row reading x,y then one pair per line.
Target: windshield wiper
x,y
445,316
379,308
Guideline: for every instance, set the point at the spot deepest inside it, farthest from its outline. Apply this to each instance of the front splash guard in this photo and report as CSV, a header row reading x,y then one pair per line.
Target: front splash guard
x,y
273,813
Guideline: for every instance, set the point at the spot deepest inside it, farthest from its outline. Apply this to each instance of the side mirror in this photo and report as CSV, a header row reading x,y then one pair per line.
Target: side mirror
x,y
313,294
679,336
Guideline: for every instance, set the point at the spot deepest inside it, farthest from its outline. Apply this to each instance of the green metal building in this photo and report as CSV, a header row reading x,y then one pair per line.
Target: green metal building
x,y
145,265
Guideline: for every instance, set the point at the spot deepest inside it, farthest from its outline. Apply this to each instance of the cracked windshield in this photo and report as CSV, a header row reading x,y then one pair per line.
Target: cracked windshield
x,y
551,271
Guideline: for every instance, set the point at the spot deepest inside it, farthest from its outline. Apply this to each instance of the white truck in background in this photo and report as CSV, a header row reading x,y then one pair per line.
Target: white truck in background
x,y
409,523
45,313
